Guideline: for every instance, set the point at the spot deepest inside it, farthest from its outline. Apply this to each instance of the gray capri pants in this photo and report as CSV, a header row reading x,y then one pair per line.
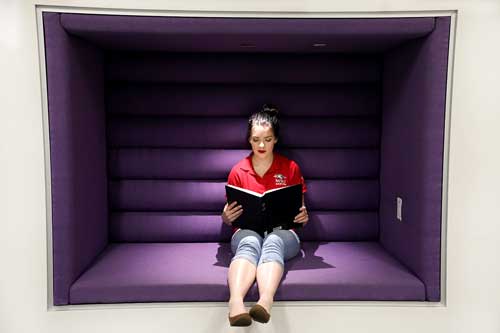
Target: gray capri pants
x,y
278,246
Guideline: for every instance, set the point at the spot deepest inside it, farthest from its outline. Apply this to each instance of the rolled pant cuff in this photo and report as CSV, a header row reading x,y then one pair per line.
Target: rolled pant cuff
x,y
263,261
252,260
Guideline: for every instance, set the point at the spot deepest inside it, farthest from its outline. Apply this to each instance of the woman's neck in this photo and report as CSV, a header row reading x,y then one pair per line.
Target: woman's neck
x,y
260,161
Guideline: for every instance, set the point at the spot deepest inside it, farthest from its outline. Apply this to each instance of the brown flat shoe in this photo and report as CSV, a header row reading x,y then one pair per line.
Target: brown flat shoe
x,y
259,313
242,319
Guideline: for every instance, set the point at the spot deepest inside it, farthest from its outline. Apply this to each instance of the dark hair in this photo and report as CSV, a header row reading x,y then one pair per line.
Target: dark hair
x,y
268,115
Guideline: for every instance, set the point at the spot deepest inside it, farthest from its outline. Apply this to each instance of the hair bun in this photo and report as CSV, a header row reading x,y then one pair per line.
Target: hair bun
x,y
271,109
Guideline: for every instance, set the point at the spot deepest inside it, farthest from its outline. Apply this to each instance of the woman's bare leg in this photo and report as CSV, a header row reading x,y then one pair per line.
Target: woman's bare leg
x,y
269,275
241,276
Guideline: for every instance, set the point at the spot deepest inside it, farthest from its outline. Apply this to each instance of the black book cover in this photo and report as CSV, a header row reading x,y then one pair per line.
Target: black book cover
x,y
273,208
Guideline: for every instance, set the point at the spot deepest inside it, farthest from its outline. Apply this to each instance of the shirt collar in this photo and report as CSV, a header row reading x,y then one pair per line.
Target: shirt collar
x,y
247,164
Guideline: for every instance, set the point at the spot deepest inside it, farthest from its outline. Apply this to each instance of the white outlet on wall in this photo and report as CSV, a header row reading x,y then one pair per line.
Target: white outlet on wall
x,y
399,207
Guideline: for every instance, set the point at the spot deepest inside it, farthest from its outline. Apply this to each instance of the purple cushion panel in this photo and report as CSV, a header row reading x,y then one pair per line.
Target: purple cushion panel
x,y
313,100
137,163
169,227
179,195
171,272
230,132
242,68
75,85
413,122
181,226
223,34
183,164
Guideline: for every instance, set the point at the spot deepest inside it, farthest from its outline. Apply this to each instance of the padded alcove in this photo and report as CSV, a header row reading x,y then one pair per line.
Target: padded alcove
x,y
147,115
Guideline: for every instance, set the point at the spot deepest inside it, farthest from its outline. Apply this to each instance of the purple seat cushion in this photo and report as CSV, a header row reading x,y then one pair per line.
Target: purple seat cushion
x,y
162,272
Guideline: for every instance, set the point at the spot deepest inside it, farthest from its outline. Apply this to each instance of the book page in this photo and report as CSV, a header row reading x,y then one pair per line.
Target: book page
x,y
247,191
278,188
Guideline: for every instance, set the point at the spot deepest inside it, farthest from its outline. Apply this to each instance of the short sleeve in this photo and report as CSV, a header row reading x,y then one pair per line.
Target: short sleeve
x,y
297,177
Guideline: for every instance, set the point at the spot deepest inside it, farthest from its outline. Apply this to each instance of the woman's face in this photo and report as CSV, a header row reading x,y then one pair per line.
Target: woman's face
x,y
262,140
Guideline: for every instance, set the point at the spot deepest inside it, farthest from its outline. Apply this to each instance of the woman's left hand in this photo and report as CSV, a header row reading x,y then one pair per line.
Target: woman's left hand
x,y
302,217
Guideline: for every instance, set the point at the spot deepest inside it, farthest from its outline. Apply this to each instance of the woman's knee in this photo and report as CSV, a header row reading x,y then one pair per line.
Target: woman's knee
x,y
248,248
273,250
292,244
279,246
250,238
273,242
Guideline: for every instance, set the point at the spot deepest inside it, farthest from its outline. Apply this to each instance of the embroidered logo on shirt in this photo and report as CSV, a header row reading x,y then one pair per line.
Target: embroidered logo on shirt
x,y
280,179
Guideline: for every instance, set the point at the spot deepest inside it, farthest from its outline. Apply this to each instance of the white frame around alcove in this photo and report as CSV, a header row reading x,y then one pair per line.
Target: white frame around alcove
x,y
267,14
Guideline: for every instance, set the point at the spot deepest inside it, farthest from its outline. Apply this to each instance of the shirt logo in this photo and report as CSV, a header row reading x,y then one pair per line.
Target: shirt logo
x,y
280,179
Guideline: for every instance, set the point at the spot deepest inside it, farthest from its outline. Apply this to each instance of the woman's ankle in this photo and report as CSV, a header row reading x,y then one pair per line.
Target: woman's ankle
x,y
236,306
235,300
267,302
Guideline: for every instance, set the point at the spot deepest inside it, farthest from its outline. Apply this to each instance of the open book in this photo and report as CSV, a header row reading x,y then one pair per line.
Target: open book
x,y
274,208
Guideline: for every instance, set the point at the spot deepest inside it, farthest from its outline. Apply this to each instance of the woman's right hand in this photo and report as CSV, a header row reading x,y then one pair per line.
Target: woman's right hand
x,y
231,212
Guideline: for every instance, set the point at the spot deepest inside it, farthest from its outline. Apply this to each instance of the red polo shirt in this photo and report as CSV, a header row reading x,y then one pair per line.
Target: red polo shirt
x,y
282,172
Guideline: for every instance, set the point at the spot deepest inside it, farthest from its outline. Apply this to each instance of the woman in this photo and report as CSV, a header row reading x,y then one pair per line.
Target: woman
x,y
257,255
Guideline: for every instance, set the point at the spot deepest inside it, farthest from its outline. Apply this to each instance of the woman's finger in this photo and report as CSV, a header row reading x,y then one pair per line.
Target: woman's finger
x,y
236,213
231,206
234,217
303,218
301,214
235,209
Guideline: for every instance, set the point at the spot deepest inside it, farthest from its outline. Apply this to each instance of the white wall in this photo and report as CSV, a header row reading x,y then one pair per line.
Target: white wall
x,y
473,266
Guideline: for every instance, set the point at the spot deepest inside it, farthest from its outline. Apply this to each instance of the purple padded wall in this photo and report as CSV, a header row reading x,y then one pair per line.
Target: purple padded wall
x,y
177,124
325,98
77,154
412,153
237,68
183,164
